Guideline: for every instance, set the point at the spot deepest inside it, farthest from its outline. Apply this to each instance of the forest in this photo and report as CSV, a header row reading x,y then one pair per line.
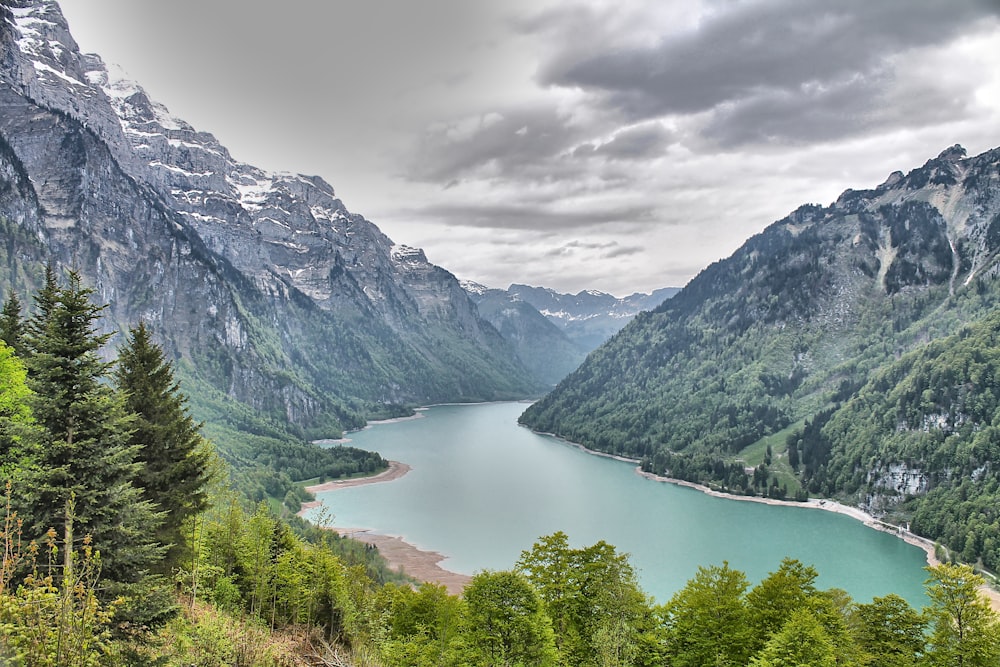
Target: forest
x,y
124,543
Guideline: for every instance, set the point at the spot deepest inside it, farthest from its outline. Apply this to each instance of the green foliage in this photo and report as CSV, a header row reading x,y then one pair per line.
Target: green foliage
x,y
425,627
598,611
965,632
801,641
707,621
15,415
507,621
252,562
771,603
52,617
888,632
11,324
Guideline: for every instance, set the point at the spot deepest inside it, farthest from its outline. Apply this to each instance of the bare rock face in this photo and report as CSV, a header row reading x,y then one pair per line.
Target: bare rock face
x,y
270,289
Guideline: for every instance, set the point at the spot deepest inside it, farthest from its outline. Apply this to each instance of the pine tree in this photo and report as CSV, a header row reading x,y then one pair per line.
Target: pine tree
x,y
174,474
84,456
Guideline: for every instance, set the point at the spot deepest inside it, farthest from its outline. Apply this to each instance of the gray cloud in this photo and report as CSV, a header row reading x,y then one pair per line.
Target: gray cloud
x,y
859,103
623,251
535,218
649,140
776,54
658,135
493,144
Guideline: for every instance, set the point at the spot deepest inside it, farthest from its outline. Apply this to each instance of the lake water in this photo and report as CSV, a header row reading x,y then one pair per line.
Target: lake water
x,y
482,489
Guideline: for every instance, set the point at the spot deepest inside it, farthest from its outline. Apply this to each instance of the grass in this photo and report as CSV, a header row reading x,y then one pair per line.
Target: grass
x,y
753,456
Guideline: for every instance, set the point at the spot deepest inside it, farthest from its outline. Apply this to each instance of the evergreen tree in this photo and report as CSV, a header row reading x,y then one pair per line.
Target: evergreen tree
x,y
83,482
174,472
11,324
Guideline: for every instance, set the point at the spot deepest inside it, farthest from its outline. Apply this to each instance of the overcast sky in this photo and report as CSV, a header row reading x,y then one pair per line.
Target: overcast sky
x,y
620,146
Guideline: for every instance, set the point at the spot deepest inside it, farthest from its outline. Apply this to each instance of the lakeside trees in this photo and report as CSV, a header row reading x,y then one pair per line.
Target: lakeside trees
x,y
716,619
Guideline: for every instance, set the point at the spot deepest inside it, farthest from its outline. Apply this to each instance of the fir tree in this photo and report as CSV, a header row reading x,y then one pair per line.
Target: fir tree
x,y
174,458
84,457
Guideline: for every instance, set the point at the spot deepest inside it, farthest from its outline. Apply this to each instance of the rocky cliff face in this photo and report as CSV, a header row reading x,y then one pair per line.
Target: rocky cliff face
x,y
264,285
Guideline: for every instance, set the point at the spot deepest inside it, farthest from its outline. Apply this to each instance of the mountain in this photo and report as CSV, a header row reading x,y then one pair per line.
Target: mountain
x,y
761,346
288,315
541,346
589,318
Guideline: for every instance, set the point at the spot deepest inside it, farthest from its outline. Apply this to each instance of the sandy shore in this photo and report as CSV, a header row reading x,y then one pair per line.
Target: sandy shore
x,y
401,555
419,564
417,415
394,471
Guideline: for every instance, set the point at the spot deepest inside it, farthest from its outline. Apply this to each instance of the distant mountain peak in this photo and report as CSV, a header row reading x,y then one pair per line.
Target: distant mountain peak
x,y
472,287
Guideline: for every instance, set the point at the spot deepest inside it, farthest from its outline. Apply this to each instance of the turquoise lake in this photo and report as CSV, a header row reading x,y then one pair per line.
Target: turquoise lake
x,y
482,489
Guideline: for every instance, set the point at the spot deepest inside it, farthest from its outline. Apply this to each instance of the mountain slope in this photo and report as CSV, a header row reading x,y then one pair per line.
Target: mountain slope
x,y
921,439
266,289
791,323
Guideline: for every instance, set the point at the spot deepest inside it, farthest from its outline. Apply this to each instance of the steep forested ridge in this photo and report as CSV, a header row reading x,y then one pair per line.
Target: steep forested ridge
x,y
790,326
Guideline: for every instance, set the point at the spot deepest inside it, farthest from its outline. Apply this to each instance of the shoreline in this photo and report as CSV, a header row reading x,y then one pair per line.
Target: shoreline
x,y
394,471
398,553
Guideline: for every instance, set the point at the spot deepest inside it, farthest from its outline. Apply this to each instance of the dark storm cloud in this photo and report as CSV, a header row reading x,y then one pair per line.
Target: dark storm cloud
x,y
772,54
535,218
